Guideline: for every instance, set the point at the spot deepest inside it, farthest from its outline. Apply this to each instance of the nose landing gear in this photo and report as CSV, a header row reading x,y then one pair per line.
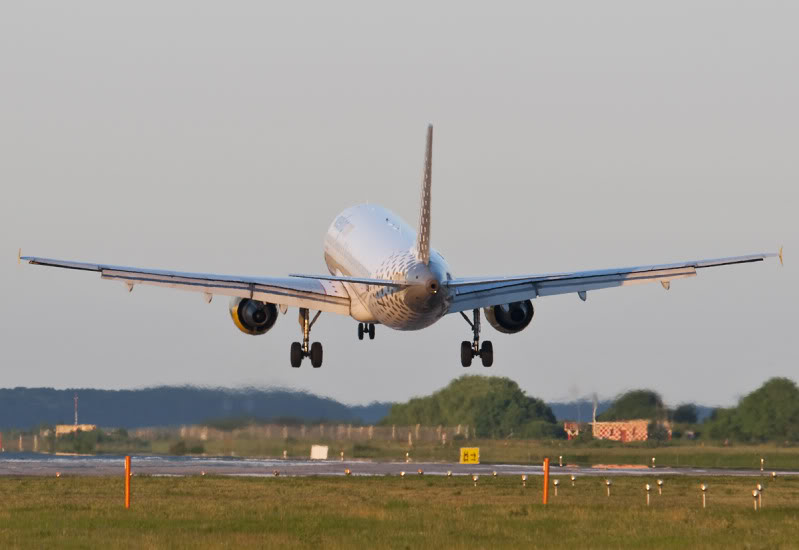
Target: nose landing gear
x,y
473,348
366,328
306,349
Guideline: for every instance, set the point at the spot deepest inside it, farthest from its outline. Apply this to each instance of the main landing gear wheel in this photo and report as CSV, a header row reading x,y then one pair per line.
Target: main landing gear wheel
x,y
473,349
301,351
366,328
487,353
296,354
466,353
316,355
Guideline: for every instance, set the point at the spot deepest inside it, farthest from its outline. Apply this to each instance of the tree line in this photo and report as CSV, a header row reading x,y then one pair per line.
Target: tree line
x,y
770,413
498,407
23,408
495,406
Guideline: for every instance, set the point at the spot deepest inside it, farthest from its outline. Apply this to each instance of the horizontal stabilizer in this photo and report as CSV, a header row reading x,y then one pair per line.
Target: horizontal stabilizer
x,y
354,280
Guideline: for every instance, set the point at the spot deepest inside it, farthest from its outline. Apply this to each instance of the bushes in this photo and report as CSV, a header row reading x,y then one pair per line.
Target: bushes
x,y
495,406
635,404
770,413
657,432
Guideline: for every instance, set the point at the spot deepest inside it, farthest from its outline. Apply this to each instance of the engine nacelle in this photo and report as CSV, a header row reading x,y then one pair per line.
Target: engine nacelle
x,y
251,316
510,318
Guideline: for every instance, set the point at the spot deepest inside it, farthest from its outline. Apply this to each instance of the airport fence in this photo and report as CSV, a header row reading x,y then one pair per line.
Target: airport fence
x,y
266,433
312,433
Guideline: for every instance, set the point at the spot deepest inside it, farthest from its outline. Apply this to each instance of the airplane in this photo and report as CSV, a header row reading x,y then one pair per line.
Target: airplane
x,y
383,272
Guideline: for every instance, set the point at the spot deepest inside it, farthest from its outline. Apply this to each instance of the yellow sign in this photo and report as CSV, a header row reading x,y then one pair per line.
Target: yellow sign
x,y
470,455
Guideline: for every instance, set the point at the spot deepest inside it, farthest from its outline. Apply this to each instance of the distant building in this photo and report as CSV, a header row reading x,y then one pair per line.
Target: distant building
x,y
625,430
64,429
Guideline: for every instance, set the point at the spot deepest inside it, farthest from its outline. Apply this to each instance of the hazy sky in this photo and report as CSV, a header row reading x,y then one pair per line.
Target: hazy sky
x,y
225,136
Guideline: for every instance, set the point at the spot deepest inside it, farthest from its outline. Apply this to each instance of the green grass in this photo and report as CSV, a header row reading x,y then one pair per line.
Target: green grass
x,y
394,513
679,454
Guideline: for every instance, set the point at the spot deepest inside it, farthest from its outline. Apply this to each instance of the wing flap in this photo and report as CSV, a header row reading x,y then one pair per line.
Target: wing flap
x,y
322,295
579,284
475,292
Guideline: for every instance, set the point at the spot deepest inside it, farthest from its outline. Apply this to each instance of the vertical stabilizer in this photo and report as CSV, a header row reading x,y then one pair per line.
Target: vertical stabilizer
x,y
422,248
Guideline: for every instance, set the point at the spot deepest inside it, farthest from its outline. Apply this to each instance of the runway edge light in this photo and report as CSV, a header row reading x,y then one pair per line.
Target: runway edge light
x,y
546,481
128,474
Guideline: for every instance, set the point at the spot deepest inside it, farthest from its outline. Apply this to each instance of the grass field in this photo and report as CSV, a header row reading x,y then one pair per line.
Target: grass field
x,y
692,454
414,512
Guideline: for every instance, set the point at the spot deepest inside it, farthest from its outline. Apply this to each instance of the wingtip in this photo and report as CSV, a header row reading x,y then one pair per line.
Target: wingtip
x,y
19,256
779,255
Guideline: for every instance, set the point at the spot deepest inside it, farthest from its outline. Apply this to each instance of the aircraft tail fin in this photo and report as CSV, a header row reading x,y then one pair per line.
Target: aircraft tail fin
x,y
422,247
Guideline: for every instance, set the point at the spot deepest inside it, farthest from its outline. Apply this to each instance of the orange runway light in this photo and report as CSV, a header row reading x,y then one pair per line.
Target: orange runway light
x,y
127,481
546,480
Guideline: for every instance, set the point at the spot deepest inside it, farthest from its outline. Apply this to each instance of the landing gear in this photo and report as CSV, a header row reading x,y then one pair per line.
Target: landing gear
x,y
316,355
296,354
473,349
306,349
487,353
466,353
366,328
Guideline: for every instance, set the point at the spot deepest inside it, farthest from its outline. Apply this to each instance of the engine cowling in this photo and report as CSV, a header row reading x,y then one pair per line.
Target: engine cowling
x,y
251,316
510,318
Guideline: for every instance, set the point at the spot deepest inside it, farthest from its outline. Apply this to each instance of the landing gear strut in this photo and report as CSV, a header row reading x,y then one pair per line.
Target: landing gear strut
x,y
473,348
306,349
366,328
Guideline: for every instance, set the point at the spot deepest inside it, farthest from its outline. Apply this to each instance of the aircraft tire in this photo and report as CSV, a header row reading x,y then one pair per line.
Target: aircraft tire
x,y
371,331
316,355
466,353
360,331
296,355
487,353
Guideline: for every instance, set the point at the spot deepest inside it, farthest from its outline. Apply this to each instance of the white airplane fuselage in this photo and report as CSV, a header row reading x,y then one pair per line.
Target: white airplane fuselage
x,y
372,242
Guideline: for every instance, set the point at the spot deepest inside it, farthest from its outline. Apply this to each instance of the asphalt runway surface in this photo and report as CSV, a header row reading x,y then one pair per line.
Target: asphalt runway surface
x,y
32,464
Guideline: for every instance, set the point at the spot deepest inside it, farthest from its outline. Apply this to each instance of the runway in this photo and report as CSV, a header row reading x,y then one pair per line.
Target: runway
x,y
32,464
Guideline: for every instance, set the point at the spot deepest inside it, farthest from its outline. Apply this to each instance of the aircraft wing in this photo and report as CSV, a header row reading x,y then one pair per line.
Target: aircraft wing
x,y
317,294
477,292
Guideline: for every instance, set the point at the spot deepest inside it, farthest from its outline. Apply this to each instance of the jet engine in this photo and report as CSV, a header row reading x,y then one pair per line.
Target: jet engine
x,y
510,318
251,316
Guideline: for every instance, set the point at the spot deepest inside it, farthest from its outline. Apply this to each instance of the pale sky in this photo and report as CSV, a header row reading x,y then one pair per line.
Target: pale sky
x,y
225,137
